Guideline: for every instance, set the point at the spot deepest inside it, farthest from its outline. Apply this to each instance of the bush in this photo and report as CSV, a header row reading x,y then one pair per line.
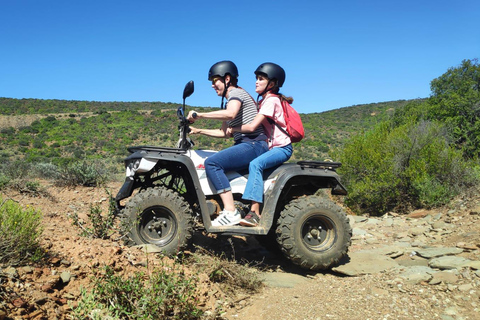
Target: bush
x,y
16,169
47,171
410,166
82,173
99,225
167,293
20,230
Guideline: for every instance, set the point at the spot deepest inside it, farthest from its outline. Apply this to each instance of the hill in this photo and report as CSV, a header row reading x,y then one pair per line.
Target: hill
x,y
61,130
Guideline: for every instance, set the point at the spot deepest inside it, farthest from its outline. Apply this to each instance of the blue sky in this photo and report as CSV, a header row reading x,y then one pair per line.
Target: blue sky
x,y
335,53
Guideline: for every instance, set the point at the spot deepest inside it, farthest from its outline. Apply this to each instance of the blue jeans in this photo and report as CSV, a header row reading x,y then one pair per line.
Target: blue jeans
x,y
270,159
236,157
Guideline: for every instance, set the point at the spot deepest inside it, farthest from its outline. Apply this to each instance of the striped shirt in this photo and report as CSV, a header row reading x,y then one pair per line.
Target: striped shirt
x,y
245,115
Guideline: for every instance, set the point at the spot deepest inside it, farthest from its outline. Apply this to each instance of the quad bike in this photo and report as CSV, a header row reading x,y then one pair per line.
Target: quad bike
x,y
170,197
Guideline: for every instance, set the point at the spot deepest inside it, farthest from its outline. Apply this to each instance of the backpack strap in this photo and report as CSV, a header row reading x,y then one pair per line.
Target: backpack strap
x,y
273,122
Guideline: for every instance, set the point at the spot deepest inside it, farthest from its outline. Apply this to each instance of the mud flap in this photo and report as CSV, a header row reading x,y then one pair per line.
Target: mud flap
x,y
126,190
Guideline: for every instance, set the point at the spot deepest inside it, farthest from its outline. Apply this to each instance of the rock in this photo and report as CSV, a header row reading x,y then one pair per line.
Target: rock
x,y
417,274
282,280
358,219
10,272
467,246
475,265
373,221
414,261
439,225
465,287
388,222
417,231
65,276
448,262
363,262
417,214
447,277
438,252
358,232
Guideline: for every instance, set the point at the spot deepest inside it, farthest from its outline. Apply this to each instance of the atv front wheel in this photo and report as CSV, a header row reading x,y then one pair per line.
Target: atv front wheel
x,y
161,217
313,232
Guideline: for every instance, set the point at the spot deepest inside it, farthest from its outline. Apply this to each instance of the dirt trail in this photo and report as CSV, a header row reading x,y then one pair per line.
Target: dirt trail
x,y
289,293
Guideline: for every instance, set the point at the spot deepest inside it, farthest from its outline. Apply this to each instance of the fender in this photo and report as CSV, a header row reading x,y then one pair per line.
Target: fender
x,y
312,174
144,158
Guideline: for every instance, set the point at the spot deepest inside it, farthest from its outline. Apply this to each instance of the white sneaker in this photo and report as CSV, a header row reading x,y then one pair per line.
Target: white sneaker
x,y
227,218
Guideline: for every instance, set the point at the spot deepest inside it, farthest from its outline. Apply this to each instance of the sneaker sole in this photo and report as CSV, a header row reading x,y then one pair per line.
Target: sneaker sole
x,y
248,223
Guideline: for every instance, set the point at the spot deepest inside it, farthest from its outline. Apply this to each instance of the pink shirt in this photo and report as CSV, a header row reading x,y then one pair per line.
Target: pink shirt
x,y
271,107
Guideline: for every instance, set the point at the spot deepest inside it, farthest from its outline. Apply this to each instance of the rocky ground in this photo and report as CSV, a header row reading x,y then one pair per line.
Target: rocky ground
x,y
424,265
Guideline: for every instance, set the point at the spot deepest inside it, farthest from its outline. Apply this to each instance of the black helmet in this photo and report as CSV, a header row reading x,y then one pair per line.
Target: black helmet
x,y
272,71
223,68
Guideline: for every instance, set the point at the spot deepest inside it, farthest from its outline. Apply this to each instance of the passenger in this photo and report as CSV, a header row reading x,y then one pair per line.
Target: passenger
x,y
240,109
270,78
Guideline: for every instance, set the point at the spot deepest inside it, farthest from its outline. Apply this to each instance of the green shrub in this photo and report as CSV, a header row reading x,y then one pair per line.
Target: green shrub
x,y
47,171
4,181
16,169
82,173
410,166
98,225
20,230
166,293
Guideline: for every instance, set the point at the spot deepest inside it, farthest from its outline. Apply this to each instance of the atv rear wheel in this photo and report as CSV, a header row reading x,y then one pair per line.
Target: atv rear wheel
x,y
161,217
313,232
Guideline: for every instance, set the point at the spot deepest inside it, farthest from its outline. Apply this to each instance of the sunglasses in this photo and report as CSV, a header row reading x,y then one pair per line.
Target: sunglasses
x,y
214,80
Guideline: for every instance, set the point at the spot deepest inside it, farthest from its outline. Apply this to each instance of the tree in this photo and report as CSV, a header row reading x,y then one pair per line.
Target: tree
x,y
455,101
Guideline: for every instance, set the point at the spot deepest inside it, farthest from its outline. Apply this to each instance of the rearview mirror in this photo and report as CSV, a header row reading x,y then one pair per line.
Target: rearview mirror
x,y
189,88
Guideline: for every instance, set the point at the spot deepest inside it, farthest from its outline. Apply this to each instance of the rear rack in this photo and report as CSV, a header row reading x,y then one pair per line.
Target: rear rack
x,y
320,164
156,149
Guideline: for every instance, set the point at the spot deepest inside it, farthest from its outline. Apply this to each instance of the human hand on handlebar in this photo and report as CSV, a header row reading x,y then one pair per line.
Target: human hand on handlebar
x,y
192,116
194,130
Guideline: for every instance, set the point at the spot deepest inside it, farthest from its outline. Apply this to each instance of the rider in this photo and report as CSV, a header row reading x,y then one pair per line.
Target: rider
x,y
240,109
270,78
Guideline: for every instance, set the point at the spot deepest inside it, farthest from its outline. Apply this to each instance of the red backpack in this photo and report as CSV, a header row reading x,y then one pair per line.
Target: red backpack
x,y
293,121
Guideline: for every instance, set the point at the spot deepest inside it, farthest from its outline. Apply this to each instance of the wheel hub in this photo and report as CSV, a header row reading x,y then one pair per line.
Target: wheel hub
x,y
313,233
158,226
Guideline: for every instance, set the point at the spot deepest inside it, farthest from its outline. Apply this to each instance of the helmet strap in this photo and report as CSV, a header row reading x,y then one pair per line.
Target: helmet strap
x,y
265,91
225,90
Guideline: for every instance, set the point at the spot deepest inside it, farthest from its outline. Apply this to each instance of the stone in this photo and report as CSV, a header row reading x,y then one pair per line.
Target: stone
x,y
419,262
475,265
282,280
465,287
447,277
448,262
417,231
358,232
438,252
417,274
365,263
65,276
417,214
358,219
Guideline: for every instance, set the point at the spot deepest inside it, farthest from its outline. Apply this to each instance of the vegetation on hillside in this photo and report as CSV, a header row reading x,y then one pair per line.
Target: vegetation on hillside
x,y
424,155
396,155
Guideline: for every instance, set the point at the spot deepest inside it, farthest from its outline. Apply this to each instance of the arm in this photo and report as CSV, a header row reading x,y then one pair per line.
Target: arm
x,y
216,133
247,128
230,113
